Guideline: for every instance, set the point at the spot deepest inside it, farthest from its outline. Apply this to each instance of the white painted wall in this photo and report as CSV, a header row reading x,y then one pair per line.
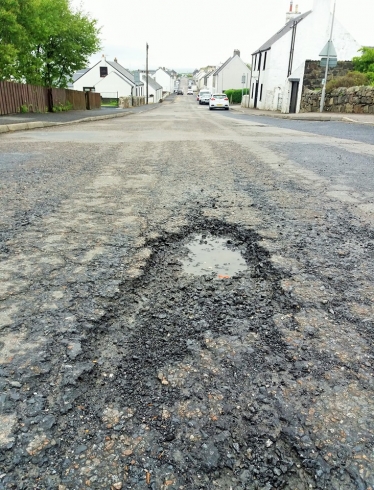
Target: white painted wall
x,y
164,80
231,75
312,34
112,82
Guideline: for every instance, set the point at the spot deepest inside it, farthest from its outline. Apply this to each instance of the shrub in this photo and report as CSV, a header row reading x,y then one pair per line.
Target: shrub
x,y
235,95
351,79
24,108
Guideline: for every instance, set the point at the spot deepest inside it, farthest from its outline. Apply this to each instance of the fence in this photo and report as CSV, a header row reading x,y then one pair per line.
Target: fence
x,y
17,97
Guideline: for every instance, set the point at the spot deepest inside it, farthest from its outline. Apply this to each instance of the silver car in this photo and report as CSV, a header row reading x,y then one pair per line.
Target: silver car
x,y
204,97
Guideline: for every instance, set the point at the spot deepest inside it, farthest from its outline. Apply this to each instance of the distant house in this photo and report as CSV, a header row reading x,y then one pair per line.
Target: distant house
x,y
278,65
165,79
230,73
154,89
108,77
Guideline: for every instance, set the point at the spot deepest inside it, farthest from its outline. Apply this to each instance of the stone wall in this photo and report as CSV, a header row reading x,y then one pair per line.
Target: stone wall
x,y
125,102
358,100
314,74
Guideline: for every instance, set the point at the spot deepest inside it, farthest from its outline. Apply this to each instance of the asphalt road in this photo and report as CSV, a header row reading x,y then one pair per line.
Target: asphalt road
x,y
186,302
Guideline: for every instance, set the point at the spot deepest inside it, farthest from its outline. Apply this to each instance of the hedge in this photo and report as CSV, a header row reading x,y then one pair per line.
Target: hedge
x,y
235,95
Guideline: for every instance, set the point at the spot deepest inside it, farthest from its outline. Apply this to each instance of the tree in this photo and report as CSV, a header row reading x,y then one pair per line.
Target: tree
x,y
54,42
365,62
10,37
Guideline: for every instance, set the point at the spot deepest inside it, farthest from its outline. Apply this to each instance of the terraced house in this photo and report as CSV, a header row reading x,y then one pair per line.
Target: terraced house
x,y
278,65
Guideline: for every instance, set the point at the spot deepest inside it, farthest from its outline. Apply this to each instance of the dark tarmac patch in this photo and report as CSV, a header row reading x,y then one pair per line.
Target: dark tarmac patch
x,y
185,382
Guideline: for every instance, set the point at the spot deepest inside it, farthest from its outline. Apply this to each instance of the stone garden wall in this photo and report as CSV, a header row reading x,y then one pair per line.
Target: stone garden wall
x,y
358,100
125,102
314,74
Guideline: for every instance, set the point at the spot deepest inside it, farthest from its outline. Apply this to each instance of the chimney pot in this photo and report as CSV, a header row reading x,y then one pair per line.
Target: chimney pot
x,y
291,6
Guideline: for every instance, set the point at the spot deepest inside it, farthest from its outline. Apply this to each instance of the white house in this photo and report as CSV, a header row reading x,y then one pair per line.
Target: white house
x,y
108,77
200,79
230,73
154,89
278,65
164,78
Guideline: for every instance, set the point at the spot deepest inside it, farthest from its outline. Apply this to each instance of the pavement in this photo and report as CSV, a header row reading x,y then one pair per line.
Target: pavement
x,y
21,122
307,116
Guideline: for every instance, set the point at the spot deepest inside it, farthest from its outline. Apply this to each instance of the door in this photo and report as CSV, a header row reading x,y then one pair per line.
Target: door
x,y
294,94
256,95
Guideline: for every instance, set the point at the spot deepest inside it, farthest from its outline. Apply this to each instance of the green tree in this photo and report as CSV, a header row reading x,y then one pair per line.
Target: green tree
x,y
365,62
53,41
11,33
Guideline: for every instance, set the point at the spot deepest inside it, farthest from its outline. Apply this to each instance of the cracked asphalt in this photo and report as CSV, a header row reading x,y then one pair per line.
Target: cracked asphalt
x,y
120,370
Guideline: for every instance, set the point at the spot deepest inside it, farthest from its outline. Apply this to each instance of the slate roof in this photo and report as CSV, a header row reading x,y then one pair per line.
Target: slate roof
x,y
125,73
122,70
152,83
281,33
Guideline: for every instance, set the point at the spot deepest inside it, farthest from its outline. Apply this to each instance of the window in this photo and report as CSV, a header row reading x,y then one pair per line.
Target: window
x,y
103,71
253,89
88,89
259,62
254,64
261,91
266,55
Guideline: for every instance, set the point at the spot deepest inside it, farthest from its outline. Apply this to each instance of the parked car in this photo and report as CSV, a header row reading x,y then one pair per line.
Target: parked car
x,y
180,92
204,97
190,91
219,101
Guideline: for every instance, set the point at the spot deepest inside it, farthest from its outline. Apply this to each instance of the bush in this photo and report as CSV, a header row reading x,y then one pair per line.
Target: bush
x,y
235,95
351,79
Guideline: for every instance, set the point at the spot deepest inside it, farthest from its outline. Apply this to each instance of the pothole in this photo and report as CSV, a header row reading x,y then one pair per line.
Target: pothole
x,y
212,255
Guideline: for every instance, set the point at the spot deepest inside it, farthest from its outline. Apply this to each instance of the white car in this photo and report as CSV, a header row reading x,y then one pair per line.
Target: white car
x,y
190,91
219,101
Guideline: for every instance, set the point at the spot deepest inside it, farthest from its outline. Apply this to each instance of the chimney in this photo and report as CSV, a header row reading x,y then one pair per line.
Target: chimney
x,y
236,52
291,14
115,60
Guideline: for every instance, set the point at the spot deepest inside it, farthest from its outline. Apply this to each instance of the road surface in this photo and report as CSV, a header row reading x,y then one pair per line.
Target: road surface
x,y
187,303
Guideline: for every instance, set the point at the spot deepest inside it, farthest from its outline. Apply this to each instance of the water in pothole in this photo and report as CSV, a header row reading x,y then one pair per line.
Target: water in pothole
x,y
211,255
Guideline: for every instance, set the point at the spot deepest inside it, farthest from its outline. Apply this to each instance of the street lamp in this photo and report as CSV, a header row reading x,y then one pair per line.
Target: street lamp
x,y
329,57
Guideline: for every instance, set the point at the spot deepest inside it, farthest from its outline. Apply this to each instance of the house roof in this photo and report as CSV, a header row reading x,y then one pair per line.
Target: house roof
x,y
166,71
122,70
152,83
115,74
125,73
281,32
223,65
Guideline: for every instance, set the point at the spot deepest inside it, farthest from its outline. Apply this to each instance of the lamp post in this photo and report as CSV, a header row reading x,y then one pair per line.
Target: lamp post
x,y
329,55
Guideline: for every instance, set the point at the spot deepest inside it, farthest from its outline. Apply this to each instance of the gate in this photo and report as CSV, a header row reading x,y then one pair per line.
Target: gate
x,y
109,99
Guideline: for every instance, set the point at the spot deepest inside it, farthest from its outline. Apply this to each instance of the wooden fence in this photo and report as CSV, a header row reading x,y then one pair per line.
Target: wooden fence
x,y
17,97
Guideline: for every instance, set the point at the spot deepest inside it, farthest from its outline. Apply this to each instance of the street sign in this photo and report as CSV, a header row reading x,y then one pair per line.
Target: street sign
x,y
329,50
332,62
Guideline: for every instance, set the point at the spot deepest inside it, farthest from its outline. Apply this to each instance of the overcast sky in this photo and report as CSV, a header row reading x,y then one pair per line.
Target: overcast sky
x,y
196,33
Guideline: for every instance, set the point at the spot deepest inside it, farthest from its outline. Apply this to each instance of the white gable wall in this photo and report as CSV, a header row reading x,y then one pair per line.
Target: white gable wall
x,y
166,82
312,34
231,75
113,83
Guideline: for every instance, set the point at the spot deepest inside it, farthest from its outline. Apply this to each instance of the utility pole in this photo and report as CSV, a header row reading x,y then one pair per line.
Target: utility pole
x,y
146,72
323,95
